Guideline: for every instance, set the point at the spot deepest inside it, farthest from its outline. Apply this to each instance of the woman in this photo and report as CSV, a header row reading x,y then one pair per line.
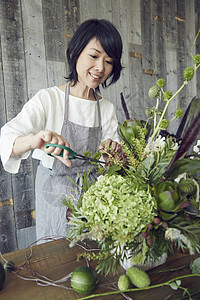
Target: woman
x,y
72,115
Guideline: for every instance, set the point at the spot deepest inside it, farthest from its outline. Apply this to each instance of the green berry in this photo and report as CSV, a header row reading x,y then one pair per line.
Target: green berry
x,y
167,95
161,83
188,73
164,124
196,59
123,283
179,113
153,92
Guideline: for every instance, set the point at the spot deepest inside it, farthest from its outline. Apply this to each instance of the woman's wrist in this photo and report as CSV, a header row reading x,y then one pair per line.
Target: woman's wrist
x,y
22,144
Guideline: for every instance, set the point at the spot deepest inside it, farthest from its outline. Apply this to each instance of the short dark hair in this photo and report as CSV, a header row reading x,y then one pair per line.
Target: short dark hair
x,y
110,40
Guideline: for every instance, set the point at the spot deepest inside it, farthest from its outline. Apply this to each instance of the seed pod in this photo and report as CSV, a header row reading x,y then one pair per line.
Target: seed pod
x,y
153,92
161,82
144,234
156,221
164,124
150,226
167,95
179,113
196,59
138,277
149,241
123,283
188,73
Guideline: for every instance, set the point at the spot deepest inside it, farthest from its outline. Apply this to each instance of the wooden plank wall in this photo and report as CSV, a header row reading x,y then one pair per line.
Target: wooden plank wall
x,y
157,37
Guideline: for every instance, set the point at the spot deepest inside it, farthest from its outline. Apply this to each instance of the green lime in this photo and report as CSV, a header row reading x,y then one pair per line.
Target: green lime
x,y
83,280
2,276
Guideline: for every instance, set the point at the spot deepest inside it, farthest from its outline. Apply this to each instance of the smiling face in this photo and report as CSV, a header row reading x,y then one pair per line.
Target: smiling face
x,y
93,65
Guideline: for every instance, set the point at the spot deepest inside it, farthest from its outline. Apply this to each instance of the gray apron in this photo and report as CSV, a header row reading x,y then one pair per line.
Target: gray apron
x,y
53,185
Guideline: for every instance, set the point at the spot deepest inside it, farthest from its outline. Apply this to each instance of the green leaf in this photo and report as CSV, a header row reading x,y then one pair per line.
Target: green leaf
x,y
173,286
113,169
186,165
178,282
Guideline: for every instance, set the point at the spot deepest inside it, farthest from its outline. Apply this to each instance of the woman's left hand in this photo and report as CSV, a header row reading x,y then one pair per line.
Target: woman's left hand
x,y
111,148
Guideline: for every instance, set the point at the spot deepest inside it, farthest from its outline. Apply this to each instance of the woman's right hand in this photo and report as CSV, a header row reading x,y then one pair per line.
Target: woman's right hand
x,y
39,141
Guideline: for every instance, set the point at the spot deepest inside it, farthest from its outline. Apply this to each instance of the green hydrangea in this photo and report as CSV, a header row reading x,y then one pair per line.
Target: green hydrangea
x,y
118,207
188,73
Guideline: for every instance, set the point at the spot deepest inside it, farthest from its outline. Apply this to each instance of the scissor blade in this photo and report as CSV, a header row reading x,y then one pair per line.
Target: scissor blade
x,y
78,156
96,160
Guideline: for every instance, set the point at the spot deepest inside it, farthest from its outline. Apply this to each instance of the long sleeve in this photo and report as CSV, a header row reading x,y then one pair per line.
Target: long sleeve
x,y
45,111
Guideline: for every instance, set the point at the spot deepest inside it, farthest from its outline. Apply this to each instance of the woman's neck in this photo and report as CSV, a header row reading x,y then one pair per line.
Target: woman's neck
x,y
79,92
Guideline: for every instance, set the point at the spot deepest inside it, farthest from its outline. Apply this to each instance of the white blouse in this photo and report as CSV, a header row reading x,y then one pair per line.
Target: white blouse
x,y
45,111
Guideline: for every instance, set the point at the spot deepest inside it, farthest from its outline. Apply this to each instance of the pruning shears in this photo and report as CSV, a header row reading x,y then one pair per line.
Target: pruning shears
x,y
73,154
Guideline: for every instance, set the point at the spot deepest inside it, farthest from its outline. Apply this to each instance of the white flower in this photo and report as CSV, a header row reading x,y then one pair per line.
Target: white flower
x,y
175,234
155,146
180,176
175,147
196,148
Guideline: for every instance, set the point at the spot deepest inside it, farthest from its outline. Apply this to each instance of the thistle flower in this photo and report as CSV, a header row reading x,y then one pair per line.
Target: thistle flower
x,y
196,59
188,73
153,92
161,83
167,95
179,113
164,124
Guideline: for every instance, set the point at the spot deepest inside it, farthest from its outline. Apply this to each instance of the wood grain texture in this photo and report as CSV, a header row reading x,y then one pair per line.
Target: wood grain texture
x,y
157,38
56,260
7,229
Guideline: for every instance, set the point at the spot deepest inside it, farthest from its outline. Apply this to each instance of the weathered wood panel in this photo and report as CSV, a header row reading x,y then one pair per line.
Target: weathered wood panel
x,y
157,37
7,227
15,91
34,46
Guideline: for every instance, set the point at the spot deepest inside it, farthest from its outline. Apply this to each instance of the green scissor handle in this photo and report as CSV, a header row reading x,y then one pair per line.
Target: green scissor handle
x,y
72,153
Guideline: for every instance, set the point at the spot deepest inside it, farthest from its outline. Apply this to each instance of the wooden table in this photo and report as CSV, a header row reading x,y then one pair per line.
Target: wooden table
x,y
55,260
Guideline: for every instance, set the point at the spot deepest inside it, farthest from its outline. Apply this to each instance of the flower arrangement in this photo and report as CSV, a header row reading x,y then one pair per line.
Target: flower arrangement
x,y
145,203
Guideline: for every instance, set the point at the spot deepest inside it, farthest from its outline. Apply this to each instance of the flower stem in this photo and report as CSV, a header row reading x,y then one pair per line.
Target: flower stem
x,y
167,283
169,270
168,101
194,43
165,108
